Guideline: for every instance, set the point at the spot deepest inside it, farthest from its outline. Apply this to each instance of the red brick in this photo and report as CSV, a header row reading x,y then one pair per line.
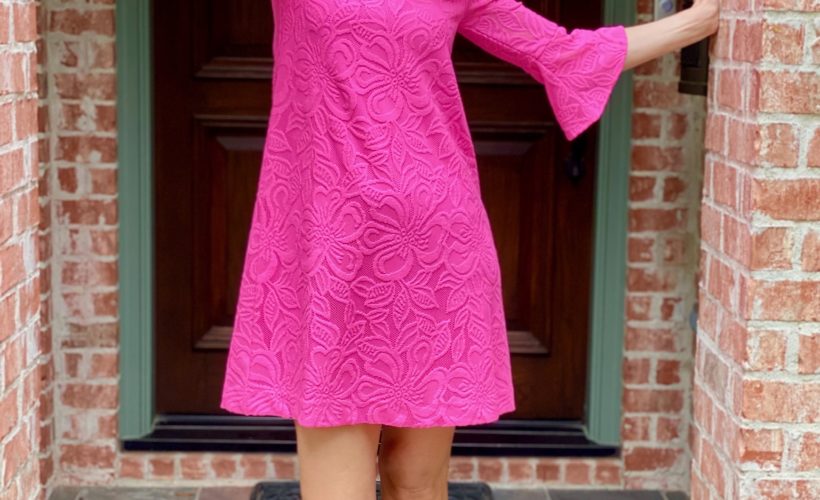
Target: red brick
x,y
192,466
89,273
656,94
713,468
253,467
743,140
223,467
7,322
765,351
808,456
651,279
547,470
737,242
783,43
790,92
6,132
86,456
11,170
771,248
673,189
490,469
775,401
96,86
721,283
656,219
25,24
608,474
748,41
762,447
88,117
636,371
653,400
677,124
668,372
646,125
810,257
103,180
90,396
641,188
15,452
131,467
73,22
67,179
640,249
668,429
808,356
650,339
786,300
779,144
13,358
87,149
656,158
814,148
87,211
787,199
646,459
285,467
104,365
730,89
5,16
9,411
577,473
104,242
636,428
520,469
161,467
460,468
638,307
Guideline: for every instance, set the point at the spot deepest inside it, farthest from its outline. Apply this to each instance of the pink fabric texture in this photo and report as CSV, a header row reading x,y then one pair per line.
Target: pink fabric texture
x,y
371,287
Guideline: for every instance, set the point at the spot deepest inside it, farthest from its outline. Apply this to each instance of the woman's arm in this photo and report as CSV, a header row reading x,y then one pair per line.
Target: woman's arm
x,y
654,39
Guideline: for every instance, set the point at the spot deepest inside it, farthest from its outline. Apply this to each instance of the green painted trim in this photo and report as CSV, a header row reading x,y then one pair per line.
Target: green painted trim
x,y
136,266
604,387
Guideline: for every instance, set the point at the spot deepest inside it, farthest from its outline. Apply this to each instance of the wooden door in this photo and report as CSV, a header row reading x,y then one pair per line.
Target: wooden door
x,y
212,66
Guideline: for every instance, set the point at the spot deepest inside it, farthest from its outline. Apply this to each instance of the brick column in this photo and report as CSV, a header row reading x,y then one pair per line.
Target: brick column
x,y
756,392
79,83
23,356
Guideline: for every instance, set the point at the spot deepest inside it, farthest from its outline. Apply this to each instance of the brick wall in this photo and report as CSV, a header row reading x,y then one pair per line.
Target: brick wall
x,y
664,200
79,151
756,392
24,357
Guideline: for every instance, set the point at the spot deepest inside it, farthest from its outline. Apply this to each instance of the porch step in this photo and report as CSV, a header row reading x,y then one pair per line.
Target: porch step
x,y
289,490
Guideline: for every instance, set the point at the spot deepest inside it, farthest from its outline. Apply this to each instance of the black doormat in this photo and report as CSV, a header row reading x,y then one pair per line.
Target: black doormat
x,y
289,490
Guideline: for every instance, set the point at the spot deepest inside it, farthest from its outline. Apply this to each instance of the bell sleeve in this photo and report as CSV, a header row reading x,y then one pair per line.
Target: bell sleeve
x,y
578,69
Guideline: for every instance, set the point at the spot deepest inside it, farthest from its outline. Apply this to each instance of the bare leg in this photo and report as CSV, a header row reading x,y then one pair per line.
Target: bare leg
x,y
414,462
337,463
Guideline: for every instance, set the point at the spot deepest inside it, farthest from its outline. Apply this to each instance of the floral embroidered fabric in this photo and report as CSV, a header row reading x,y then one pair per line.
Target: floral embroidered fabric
x,y
371,288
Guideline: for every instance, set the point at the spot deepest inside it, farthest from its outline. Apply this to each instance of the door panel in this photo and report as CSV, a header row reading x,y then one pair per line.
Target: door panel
x,y
212,96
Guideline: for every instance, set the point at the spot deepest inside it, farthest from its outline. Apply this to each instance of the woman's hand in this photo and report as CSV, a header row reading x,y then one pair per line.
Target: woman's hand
x,y
654,39
710,12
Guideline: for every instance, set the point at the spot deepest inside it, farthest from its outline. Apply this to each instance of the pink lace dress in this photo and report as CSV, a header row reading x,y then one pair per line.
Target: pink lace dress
x,y
371,290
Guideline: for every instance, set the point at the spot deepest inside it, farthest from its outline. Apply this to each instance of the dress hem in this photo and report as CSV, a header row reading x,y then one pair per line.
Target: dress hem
x,y
237,410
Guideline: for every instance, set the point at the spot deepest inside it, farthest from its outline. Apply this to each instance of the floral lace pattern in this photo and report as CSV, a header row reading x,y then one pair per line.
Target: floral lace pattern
x,y
371,287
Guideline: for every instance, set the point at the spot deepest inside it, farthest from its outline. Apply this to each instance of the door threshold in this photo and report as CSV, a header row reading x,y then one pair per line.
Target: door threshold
x,y
237,433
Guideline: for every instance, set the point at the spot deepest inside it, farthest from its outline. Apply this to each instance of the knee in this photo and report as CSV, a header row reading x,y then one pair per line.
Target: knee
x,y
403,479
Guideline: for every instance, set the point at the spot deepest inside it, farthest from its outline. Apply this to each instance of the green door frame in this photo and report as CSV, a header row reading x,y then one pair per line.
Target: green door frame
x,y
136,259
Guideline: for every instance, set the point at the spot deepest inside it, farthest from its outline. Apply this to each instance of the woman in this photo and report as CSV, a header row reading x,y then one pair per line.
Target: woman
x,y
370,301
